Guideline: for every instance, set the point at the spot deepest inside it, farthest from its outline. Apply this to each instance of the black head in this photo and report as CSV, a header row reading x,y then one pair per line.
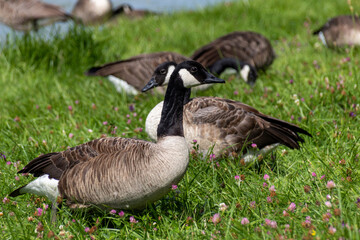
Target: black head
x,y
193,74
161,76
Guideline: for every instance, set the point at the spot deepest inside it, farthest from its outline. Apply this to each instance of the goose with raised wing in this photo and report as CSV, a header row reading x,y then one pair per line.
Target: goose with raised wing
x,y
27,15
225,125
340,31
119,172
132,74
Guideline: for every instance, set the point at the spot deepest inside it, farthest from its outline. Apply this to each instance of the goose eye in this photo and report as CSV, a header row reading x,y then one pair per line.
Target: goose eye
x,y
162,71
193,69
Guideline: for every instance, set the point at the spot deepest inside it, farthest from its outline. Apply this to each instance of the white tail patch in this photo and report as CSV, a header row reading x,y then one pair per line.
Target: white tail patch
x,y
244,72
322,38
122,86
168,75
188,79
43,186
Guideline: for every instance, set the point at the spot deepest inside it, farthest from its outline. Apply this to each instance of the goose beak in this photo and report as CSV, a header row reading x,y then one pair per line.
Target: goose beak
x,y
151,84
212,79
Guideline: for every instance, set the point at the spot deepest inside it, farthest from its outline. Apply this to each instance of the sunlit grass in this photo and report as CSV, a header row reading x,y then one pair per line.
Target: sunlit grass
x,y
47,104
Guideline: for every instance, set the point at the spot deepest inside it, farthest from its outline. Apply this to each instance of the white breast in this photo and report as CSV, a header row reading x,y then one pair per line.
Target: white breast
x,y
153,120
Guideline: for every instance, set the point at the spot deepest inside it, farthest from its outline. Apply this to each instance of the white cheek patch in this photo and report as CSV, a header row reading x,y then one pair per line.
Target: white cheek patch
x,y
244,72
168,75
322,38
188,79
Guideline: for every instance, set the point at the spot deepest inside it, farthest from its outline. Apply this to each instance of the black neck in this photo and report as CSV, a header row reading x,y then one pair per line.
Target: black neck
x,y
171,122
218,67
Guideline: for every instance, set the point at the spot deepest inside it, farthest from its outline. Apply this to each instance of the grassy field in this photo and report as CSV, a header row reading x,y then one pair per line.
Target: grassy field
x,y
47,104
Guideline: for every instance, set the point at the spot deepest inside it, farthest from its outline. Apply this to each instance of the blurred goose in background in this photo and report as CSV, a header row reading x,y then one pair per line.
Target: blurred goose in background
x,y
247,47
340,31
118,172
27,15
226,125
128,11
132,74
98,11
92,11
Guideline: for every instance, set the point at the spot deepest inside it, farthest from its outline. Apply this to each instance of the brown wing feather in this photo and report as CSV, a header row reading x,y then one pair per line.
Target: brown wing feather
x,y
236,124
249,47
137,70
56,163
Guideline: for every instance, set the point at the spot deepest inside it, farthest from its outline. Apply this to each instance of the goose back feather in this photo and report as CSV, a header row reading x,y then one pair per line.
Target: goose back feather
x,y
249,47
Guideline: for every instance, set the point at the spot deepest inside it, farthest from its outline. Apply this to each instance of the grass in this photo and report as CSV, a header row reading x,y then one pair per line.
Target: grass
x,y
48,104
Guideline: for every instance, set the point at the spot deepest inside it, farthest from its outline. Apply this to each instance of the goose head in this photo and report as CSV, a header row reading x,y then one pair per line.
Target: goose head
x,y
193,74
161,76
246,71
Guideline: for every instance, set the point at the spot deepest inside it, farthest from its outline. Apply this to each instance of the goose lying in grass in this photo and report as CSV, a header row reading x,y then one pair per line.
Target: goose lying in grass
x,y
226,125
27,15
340,31
247,47
132,74
119,172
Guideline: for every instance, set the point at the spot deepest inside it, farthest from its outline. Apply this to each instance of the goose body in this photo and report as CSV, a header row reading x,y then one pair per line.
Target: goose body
x,y
92,11
340,31
26,15
249,47
119,172
132,74
225,125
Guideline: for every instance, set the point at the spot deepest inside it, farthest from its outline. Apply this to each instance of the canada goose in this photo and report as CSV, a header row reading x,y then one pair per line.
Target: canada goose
x,y
26,15
132,74
128,11
249,47
340,31
228,125
119,172
92,11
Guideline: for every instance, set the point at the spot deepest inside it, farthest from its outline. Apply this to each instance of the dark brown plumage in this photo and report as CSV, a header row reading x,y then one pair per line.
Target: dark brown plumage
x,y
340,31
137,70
26,15
249,47
235,125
